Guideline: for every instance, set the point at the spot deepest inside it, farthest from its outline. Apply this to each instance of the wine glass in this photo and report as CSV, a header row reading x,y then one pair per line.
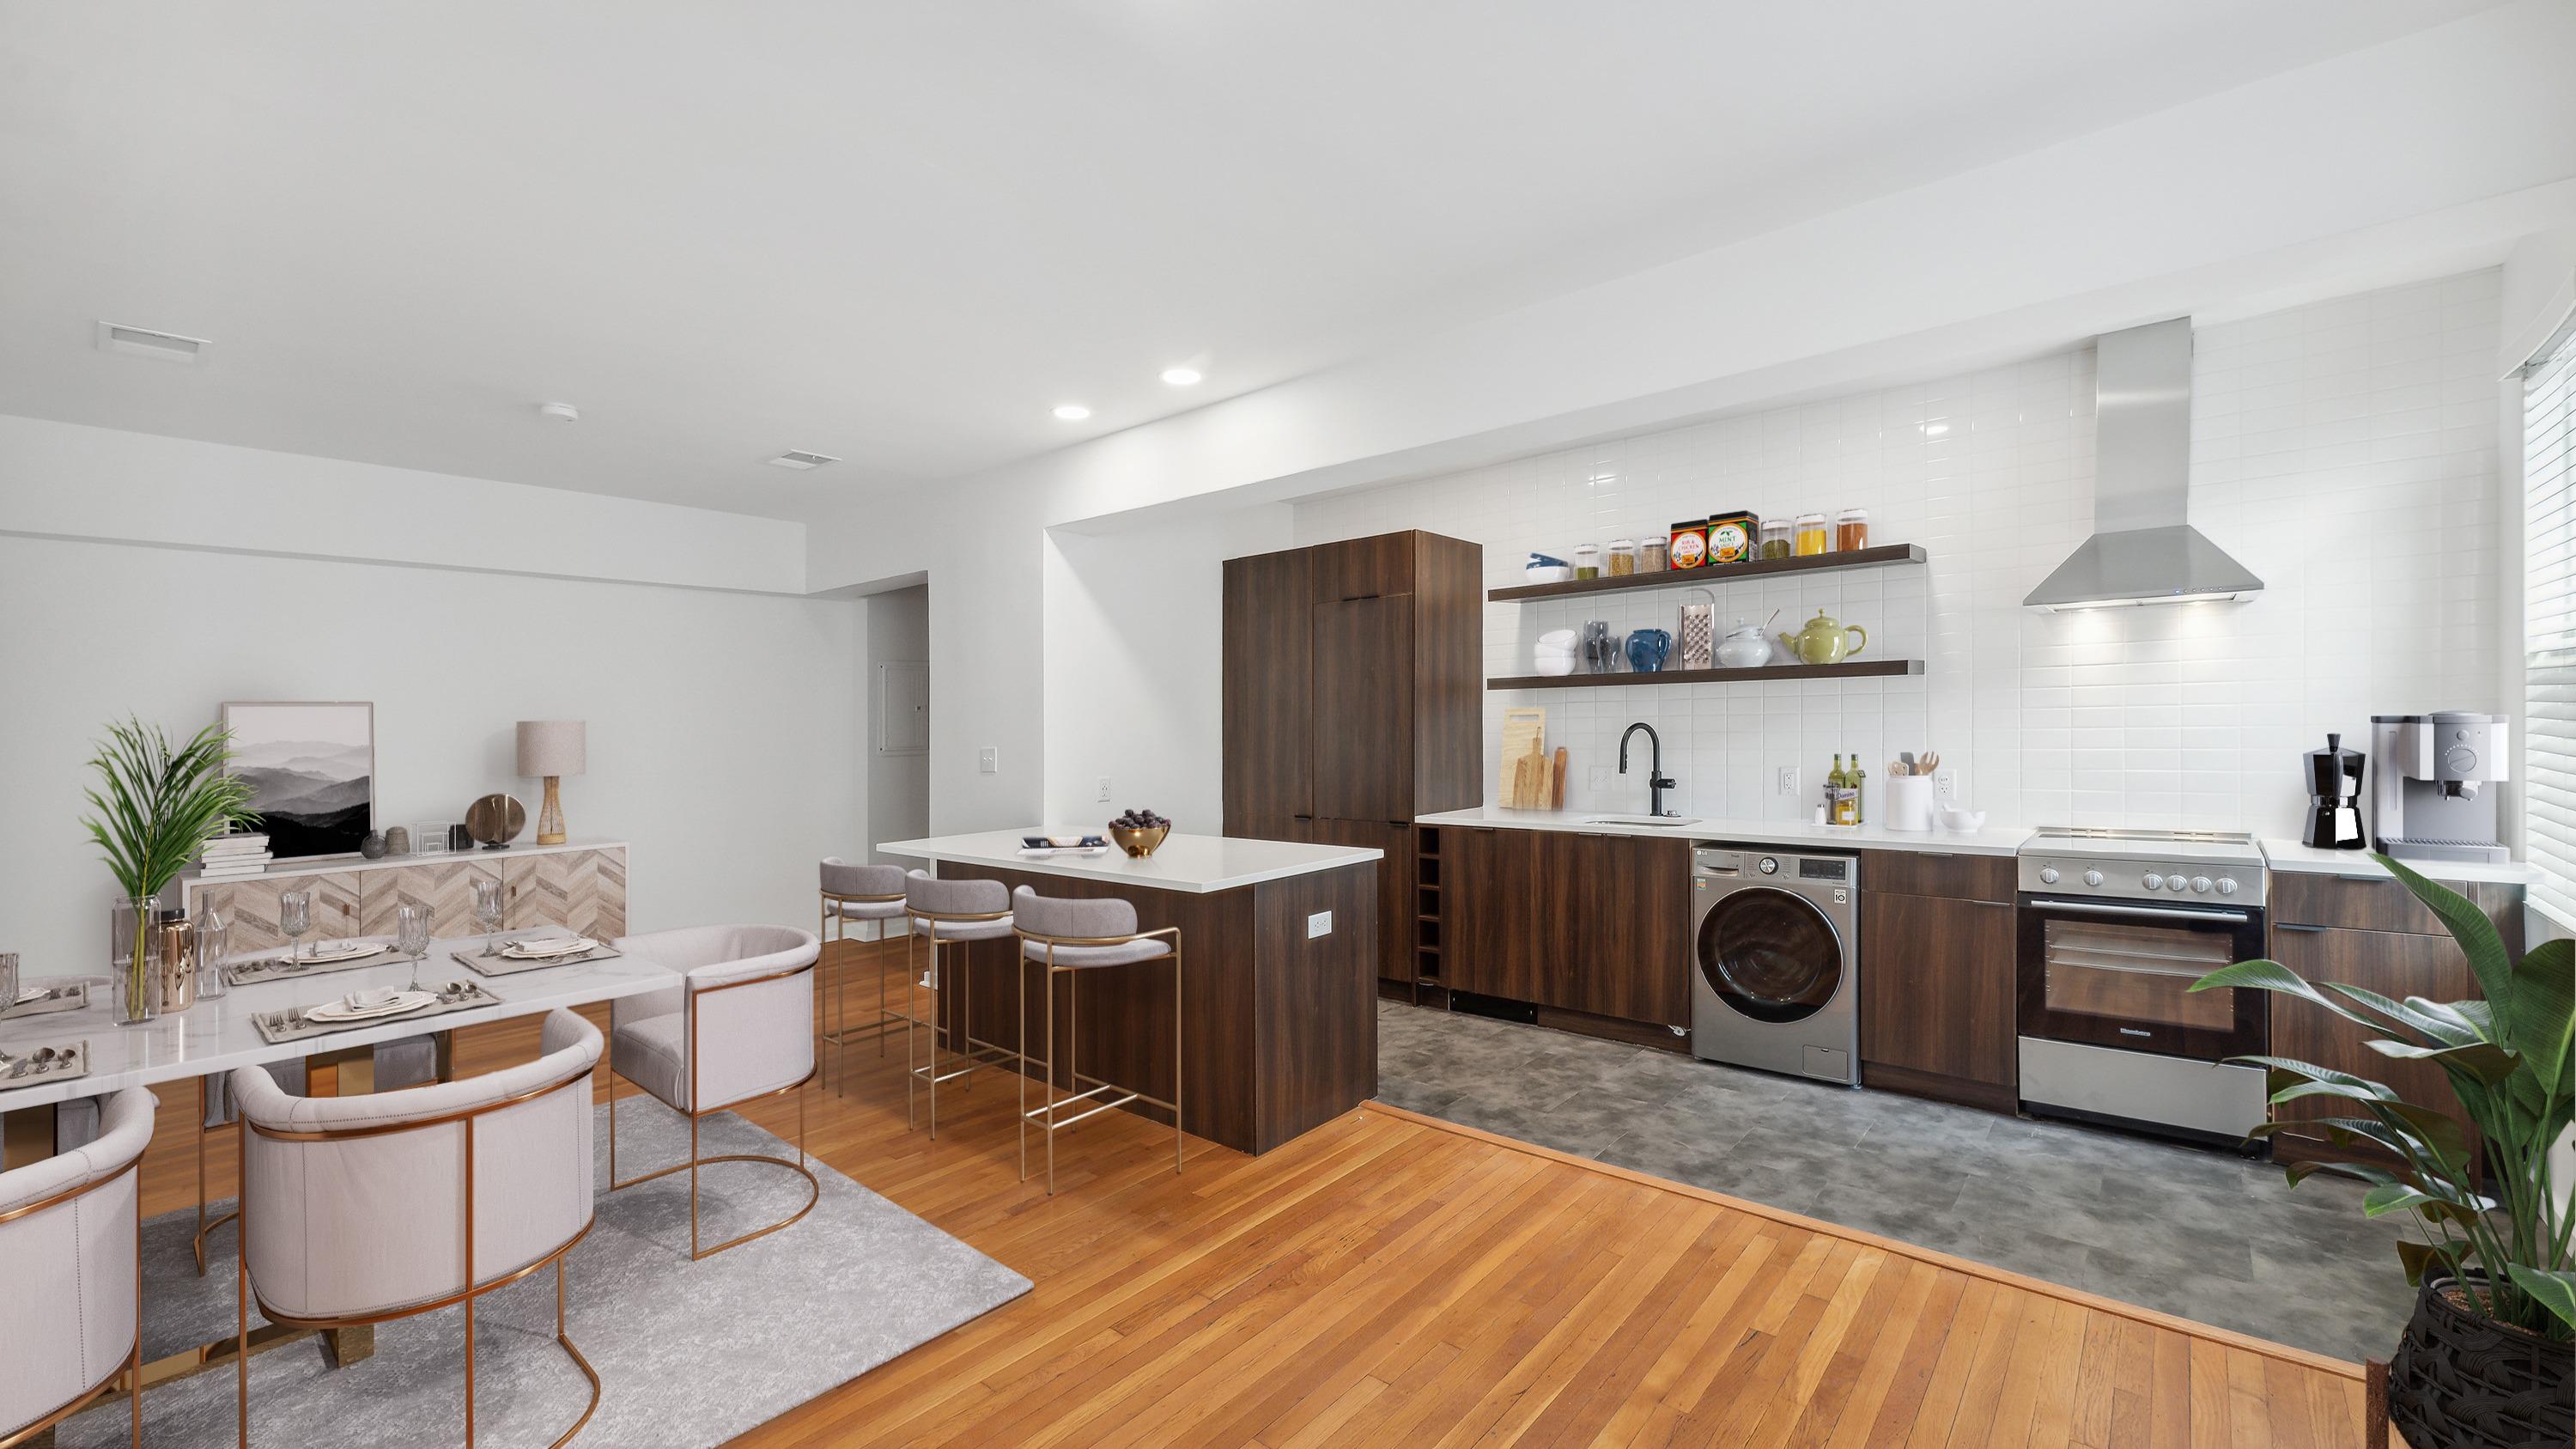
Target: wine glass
x,y
294,918
411,936
487,909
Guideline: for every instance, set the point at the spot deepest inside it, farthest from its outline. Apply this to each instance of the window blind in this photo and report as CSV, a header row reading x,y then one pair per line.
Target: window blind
x,y
2549,630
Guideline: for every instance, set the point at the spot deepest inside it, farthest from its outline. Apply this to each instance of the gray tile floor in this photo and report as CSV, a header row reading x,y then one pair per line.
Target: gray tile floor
x,y
2199,1234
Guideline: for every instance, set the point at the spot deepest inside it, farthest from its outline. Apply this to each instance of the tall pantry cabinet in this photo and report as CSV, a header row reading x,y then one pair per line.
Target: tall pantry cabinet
x,y
1353,704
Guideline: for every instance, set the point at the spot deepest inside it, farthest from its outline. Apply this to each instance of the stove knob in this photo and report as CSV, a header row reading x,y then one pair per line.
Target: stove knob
x,y
2152,881
2092,877
2176,883
2048,875
2200,884
2227,885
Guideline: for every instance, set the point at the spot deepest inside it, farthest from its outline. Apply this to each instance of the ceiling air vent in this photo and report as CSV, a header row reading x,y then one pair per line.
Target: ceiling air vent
x,y
144,342
802,461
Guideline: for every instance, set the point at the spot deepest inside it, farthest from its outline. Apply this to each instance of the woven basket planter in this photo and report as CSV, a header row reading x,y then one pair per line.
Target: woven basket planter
x,y
2462,1381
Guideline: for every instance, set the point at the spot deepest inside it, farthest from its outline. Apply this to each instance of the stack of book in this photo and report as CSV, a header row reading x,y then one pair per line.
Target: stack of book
x,y
227,856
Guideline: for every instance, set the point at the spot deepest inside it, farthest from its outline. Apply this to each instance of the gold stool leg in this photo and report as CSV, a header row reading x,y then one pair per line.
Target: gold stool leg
x,y
939,1008
912,1018
1020,963
1179,1089
1050,1076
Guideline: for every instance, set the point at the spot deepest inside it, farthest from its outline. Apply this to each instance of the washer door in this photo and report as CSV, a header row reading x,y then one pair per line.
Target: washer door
x,y
1770,955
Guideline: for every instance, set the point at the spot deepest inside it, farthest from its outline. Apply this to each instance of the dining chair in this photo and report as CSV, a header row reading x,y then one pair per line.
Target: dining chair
x,y
71,1252
362,1210
737,1024
1068,938
858,893
409,1062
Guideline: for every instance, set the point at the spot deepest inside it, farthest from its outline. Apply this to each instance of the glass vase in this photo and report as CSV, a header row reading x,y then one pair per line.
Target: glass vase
x,y
137,987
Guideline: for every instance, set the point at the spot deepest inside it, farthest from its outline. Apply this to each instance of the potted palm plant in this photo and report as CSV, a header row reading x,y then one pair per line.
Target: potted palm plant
x,y
155,808
2487,1358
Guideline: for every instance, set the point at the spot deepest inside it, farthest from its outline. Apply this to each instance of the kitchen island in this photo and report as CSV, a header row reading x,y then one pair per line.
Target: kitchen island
x,y
1278,965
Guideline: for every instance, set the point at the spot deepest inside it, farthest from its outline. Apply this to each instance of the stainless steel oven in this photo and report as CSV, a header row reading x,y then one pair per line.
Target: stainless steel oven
x,y
2109,946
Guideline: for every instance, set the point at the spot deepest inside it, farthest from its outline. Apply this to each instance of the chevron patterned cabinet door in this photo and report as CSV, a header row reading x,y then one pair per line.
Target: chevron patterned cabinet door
x,y
582,890
251,907
447,888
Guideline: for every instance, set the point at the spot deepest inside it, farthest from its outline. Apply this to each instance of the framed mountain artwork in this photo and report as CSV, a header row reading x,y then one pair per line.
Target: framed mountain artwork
x,y
312,772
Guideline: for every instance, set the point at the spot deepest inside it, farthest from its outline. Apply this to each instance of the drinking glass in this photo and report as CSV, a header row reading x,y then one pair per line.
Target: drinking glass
x,y
294,918
214,943
411,936
487,908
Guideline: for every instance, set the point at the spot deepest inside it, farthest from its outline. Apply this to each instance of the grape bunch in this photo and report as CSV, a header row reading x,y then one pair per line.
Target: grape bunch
x,y
1141,820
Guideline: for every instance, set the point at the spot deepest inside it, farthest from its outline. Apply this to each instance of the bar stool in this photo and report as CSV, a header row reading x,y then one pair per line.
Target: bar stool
x,y
857,893
955,912
1069,937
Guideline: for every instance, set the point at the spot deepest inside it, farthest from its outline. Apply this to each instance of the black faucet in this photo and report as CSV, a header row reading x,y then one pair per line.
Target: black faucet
x,y
1656,781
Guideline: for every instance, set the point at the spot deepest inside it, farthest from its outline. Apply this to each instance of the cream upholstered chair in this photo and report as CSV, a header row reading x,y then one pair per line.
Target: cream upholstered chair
x,y
1069,937
738,1023
71,1240
858,893
405,1063
360,1210
951,913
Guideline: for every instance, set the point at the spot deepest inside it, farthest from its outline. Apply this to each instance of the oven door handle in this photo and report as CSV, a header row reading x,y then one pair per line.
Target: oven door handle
x,y
2161,913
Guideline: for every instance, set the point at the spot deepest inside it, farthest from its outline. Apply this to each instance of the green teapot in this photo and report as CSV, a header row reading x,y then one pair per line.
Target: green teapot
x,y
1822,642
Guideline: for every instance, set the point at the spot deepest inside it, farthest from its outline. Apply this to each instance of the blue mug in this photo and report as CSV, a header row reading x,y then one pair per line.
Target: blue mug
x,y
1646,650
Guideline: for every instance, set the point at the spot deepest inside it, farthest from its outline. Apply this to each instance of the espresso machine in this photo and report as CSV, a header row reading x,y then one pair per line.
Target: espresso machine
x,y
2334,798
2439,774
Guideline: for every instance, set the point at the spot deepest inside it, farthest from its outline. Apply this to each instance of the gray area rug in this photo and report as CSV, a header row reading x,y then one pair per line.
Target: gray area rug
x,y
688,1354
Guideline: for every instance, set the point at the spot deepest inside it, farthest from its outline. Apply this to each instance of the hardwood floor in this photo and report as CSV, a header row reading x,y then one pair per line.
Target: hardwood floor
x,y
1388,1279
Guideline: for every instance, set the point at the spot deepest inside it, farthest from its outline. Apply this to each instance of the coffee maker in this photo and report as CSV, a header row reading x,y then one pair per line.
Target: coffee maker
x,y
2435,797
2334,798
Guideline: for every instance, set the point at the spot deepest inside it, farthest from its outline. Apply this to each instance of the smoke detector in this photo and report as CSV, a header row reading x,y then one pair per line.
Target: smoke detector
x,y
144,342
799,460
559,412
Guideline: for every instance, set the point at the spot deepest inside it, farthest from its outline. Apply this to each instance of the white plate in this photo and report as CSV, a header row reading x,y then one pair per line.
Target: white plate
x,y
408,1001
330,951
542,950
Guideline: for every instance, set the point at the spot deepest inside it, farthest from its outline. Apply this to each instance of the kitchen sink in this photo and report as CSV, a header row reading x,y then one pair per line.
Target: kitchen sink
x,y
1660,822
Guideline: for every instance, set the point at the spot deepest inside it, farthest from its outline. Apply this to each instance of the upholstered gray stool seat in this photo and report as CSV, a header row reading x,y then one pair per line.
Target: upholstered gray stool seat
x,y
866,910
1068,937
860,893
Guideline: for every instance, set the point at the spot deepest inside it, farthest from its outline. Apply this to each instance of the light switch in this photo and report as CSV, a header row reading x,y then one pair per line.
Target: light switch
x,y
987,760
1319,924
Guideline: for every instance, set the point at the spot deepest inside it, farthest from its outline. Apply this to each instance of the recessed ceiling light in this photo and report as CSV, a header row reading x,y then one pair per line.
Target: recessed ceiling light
x,y
144,342
1182,376
795,458
559,412
1072,412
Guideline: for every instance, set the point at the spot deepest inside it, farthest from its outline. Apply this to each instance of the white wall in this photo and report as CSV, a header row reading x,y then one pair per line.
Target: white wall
x,y
723,726
898,785
2344,451
1134,641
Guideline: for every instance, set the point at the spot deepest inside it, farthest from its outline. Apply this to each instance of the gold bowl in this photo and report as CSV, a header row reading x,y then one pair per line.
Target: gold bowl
x,y
1139,843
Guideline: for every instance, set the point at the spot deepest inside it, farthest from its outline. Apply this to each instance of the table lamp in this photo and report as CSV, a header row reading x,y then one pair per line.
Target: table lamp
x,y
551,749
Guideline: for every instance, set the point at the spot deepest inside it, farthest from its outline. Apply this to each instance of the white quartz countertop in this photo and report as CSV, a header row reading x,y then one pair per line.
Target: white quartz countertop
x,y
2292,856
1197,864
1994,840
217,1036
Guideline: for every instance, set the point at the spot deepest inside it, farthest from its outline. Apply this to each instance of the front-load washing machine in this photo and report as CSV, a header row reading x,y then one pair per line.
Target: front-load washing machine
x,y
1775,960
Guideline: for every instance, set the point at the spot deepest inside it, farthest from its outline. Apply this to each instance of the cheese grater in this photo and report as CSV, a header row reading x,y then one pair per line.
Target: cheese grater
x,y
1697,632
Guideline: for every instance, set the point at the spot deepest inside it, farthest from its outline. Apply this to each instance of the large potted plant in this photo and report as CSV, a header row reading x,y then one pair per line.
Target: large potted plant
x,y
155,809
2487,1359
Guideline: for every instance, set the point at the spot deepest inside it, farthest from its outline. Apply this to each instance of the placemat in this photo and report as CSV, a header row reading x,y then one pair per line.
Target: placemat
x,y
481,964
69,996
275,968
70,1059
278,1027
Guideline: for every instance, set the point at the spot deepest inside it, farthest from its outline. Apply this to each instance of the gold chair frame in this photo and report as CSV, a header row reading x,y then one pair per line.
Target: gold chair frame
x,y
964,1031
132,1369
695,1113
834,927
246,1292
1073,1044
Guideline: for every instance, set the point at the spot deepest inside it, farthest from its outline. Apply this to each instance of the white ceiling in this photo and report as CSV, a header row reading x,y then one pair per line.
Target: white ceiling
x,y
903,233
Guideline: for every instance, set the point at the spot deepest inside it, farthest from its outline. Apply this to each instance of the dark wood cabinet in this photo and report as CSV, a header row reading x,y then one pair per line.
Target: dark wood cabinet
x,y
1936,994
1353,702
2395,964
1597,924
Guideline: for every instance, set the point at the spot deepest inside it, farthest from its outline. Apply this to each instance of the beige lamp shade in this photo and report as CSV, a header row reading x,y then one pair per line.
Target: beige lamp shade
x,y
551,747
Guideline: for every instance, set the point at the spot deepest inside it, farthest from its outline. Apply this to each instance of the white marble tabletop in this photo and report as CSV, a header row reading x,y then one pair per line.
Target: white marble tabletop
x,y
217,1036
1196,864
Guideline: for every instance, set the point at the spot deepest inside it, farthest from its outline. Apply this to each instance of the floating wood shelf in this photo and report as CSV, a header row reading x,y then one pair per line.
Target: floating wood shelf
x,y
1715,574
1850,669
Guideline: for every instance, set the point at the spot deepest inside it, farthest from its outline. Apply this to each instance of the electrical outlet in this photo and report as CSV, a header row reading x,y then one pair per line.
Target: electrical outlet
x,y
1600,779
988,761
1788,779
1319,924
1104,789
1945,786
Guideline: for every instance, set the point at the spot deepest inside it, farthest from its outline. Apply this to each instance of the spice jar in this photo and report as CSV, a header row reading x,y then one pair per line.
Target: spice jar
x,y
1623,557
1851,530
1587,561
1812,537
1650,556
1689,543
1776,542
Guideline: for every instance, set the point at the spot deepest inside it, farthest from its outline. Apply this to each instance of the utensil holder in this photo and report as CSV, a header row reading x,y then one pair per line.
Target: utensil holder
x,y
1909,803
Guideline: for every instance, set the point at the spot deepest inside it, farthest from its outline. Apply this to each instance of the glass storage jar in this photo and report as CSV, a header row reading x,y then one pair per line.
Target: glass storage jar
x,y
1587,561
1812,535
1776,538
1650,555
1851,530
1623,557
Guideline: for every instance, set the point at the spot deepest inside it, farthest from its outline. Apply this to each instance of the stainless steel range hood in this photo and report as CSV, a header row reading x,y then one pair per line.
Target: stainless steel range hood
x,y
2142,550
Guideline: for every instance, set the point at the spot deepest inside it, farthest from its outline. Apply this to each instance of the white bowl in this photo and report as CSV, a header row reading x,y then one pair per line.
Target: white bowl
x,y
1559,640
1962,822
1548,574
1556,664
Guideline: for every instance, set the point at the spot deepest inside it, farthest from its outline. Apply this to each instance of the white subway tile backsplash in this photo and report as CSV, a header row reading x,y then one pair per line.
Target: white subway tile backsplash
x,y
2344,451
